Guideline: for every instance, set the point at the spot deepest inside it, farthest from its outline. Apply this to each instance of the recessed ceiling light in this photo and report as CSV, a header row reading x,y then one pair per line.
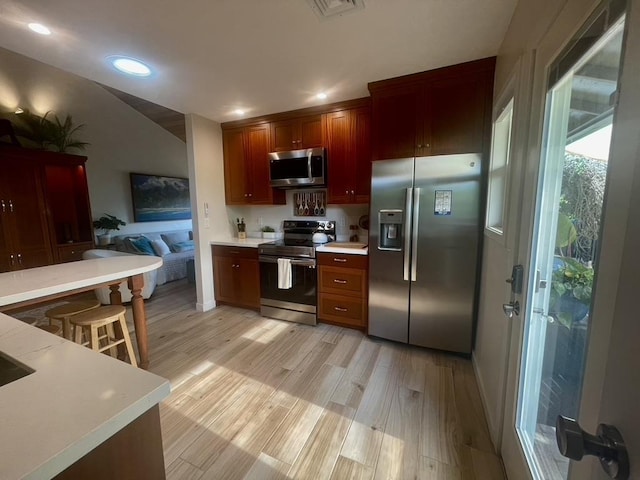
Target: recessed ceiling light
x,y
130,66
321,96
239,111
39,28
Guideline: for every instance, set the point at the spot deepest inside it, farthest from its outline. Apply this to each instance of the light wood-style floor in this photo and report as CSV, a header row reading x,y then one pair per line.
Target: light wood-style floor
x,y
256,398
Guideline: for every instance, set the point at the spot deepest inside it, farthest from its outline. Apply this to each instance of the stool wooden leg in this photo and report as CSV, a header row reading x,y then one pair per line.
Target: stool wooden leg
x,y
127,341
66,328
94,343
111,337
78,334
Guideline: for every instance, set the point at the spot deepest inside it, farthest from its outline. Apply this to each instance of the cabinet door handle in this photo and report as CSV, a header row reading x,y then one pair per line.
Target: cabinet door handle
x,y
427,145
353,192
20,258
340,309
12,260
341,282
294,141
11,206
419,145
341,260
4,207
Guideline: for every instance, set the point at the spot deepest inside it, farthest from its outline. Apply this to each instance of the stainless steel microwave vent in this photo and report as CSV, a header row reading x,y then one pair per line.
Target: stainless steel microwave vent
x,y
332,8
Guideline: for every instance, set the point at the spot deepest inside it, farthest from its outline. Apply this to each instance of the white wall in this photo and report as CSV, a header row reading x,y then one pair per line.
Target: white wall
x,y
257,216
122,140
210,218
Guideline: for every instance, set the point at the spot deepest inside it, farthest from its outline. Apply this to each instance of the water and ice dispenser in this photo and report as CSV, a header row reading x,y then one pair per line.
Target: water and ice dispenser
x,y
390,235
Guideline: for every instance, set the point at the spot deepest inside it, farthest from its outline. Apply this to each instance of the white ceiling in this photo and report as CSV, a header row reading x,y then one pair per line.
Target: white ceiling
x,y
213,56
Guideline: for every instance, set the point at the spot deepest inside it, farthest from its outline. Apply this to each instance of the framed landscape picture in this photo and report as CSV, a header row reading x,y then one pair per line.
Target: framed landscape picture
x,y
156,198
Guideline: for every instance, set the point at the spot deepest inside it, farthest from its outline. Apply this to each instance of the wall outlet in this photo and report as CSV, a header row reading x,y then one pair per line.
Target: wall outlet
x,y
206,222
260,221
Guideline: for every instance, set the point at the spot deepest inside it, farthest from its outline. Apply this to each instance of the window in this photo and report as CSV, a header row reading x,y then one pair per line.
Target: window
x,y
498,170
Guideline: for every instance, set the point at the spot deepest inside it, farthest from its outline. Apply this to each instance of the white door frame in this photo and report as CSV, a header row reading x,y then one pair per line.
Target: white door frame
x,y
571,18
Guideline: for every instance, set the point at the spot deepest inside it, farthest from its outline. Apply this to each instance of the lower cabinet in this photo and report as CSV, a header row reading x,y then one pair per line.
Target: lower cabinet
x,y
342,289
133,452
236,274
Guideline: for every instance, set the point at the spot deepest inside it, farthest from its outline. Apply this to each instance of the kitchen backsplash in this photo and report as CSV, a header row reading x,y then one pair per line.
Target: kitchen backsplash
x,y
256,217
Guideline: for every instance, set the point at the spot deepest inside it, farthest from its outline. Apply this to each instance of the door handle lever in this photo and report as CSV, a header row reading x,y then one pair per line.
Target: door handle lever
x,y
608,445
512,308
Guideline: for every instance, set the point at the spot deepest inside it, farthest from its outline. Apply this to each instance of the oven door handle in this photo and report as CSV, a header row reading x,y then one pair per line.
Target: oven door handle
x,y
311,263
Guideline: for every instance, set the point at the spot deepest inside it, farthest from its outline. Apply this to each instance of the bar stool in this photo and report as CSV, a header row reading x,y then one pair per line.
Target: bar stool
x,y
63,313
98,324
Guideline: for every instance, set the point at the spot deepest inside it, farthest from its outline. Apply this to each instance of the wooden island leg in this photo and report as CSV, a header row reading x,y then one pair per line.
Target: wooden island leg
x,y
136,282
115,297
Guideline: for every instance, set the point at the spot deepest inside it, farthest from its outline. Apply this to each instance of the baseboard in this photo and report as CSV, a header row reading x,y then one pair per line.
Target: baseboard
x,y
494,430
205,307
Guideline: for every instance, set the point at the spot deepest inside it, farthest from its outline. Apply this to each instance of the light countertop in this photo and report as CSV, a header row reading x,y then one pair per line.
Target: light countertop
x,y
39,282
236,242
75,400
327,248
255,242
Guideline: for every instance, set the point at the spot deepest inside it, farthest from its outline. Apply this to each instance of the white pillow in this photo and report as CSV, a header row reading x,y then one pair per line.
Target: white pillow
x,y
160,247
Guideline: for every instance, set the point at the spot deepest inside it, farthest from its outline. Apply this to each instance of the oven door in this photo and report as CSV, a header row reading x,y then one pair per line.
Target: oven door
x,y
301,297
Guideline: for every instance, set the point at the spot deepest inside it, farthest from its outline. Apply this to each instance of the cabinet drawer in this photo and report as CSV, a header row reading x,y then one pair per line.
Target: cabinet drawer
x,y
342,309
342,281
343,260
234,252
73,252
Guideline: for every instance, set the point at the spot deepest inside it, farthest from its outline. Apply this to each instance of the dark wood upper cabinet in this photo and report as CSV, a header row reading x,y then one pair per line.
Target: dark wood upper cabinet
x,y
297,133
443,111
339,164
257,149
246,167
397,121
349,155
44,208
234,166
362,154
458,109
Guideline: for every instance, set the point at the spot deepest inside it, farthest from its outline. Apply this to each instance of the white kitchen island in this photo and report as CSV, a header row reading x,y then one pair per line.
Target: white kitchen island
x,y
79,414
33,285
74,401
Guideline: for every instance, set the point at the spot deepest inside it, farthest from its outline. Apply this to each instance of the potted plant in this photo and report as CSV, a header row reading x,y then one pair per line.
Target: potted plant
x,y
49,132
571,285
106,223
268,232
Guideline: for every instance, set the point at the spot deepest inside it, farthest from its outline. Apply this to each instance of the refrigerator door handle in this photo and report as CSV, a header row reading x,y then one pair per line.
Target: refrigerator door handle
x,y
415,216
407,232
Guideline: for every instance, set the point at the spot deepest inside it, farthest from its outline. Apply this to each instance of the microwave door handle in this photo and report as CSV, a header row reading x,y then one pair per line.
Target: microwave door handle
x,y
309,164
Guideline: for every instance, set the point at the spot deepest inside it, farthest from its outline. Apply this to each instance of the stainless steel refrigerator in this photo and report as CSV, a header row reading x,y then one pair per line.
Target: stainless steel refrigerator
x,y
423,248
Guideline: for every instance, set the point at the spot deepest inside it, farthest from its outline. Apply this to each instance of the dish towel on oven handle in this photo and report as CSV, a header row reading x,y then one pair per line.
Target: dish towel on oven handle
x,y
284,273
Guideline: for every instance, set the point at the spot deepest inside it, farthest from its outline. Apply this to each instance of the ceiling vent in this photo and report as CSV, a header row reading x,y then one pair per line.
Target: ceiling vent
x,y
335,8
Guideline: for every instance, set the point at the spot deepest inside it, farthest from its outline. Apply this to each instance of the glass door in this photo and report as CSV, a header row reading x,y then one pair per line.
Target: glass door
x,y
564,252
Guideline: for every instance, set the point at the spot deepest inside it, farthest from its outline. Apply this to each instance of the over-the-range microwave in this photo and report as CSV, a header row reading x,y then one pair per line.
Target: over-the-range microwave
x,y
298,168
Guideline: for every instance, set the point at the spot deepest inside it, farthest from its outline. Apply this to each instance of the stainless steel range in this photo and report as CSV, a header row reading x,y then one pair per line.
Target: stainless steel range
x,y
293,298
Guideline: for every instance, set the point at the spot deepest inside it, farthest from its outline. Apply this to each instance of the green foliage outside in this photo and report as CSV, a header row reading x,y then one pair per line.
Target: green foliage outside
x,y
583,184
